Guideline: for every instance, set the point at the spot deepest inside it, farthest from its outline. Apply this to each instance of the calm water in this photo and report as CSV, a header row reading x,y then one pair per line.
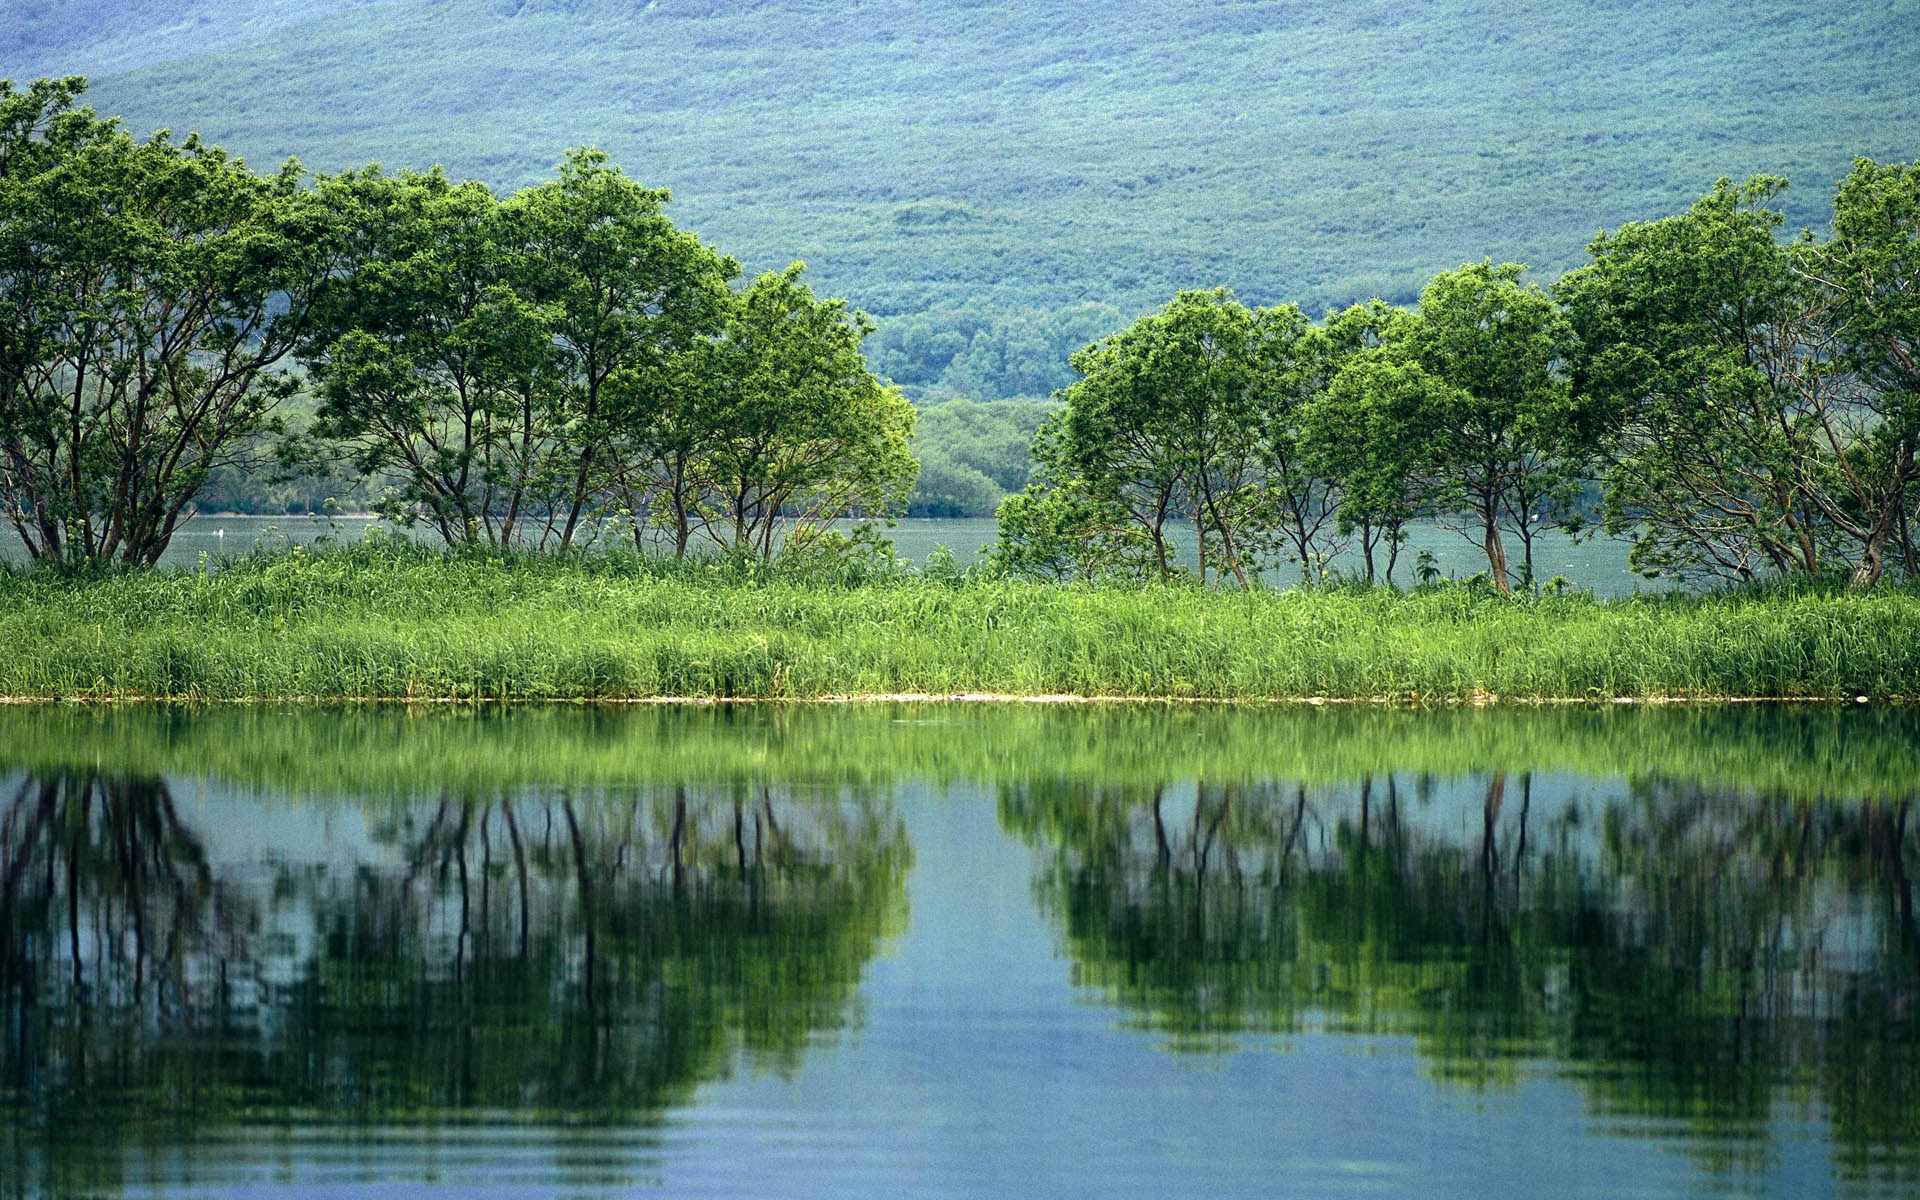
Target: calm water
x,y
214,536
959,951
1598,564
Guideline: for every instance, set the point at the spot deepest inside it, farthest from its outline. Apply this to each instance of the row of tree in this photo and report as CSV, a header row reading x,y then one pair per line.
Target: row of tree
x,y
1745,406
510,368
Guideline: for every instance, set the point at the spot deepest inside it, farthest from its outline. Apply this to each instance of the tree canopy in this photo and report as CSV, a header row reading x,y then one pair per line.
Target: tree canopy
x,y
506,371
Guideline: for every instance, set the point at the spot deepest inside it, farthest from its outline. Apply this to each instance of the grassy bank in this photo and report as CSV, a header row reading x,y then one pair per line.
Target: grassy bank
x,y
394,624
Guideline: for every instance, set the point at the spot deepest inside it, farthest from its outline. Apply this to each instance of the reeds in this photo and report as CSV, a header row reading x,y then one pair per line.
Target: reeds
x,y
386,623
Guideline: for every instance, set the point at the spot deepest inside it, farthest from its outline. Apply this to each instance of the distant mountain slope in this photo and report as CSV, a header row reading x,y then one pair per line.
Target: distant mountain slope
x,y
1037,154
102,37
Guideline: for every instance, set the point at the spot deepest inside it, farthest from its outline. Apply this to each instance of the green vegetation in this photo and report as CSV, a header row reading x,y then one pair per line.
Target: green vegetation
x,y
512,372
1814,754
972,455
151,295
1751,409
925,158
395,625
515,371
574,915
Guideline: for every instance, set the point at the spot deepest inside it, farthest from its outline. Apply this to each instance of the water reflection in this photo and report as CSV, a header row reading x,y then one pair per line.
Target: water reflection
x,y
1701,961
561,951
566,958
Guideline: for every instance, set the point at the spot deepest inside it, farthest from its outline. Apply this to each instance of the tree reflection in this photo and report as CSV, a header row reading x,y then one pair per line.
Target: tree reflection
x,y
556,957
1688,955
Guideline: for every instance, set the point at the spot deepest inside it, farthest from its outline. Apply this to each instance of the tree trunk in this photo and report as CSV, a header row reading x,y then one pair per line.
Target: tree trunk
x,y
1496,554
1873,550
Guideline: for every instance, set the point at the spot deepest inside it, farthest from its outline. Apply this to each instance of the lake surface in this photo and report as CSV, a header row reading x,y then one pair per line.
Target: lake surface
x,y
926,950
1598,564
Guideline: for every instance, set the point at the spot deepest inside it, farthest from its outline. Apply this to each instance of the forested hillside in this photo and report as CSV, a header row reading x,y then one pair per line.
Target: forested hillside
x,y
998,167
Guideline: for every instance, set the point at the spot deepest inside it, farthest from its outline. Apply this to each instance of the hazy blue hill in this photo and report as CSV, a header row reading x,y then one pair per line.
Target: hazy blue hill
x,y
1035,155
99,37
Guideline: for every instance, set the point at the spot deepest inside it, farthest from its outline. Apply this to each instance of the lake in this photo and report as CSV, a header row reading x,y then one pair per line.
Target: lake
x,y
1598,563
946,950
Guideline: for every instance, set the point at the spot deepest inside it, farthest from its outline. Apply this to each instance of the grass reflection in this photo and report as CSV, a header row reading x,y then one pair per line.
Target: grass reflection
x,y
1810,752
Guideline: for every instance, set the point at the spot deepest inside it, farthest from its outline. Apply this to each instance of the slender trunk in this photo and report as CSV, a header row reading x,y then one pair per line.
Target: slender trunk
x,y
1892,512
1496,551
682,522
1526,806
1489,852
73,897
584,473
1200,542
1226,544
679,831
1906,545
1366,808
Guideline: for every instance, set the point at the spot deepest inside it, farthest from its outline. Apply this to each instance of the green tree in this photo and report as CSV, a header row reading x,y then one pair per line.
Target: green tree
x,y
1058,529
433,364
1357,423
1359,432
1871,266
624,292
1165,422
1697,340
806,434
973,454
1500,437
151,293
1301,503
485,353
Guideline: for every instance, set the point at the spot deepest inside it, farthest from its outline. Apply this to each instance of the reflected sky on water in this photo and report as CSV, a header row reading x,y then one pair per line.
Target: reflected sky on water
x,y
914,950
1596,563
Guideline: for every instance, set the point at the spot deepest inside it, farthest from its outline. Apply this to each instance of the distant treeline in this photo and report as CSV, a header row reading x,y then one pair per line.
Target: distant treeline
x,y
537,369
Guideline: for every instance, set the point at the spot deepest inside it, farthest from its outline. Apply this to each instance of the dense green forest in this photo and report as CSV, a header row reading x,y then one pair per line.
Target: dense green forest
x,y
1011,171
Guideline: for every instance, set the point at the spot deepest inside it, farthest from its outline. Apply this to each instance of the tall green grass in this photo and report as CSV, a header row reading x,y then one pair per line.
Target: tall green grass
x,y
383,623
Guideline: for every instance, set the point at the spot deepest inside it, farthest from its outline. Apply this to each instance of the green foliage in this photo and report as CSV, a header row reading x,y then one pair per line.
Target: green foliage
x,y
972,455
1185,413
150,293
1811,755
470,347
1760,420
1356,425
986,351
1499,435
1037,157
1629,942
615,950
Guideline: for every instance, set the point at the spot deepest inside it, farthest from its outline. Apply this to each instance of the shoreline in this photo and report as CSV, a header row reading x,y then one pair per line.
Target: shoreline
x,y
381,626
